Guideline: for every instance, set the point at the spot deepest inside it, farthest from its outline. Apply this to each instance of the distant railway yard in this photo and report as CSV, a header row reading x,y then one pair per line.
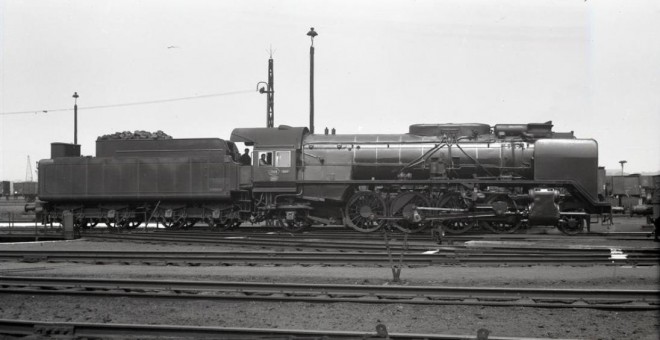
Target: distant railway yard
x,y
329,282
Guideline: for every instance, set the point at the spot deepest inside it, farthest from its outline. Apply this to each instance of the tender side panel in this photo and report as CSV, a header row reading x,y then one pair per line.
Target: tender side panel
x,y
163,178
568,159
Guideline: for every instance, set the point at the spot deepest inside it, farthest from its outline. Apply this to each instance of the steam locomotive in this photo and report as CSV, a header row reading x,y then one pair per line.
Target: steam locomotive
x,y
449,176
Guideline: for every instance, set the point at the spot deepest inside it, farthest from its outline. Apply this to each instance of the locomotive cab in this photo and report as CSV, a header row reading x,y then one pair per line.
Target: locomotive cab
x,y
276,160
276,169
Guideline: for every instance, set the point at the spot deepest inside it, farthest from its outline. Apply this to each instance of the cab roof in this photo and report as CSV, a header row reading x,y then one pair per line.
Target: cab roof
x,y
281,136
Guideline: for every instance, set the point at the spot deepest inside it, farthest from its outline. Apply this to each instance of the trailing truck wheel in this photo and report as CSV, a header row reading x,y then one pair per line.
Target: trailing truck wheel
x,y
402,207
299,222
571,225
363,210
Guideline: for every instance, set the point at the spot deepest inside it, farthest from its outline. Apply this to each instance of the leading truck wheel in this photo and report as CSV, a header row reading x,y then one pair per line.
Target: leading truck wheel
x,y
363,211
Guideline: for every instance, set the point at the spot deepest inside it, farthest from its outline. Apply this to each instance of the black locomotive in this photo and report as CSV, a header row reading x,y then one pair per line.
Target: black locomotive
x,y
456,176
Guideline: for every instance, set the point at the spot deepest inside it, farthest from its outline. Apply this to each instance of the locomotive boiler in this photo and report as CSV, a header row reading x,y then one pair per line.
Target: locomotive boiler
x,y
451,176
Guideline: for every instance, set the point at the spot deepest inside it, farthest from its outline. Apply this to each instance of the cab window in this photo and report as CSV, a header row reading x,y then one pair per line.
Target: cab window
x,y
279,159
265,158
283,159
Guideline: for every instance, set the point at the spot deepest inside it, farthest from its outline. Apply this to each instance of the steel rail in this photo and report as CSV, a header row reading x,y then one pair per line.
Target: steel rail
x,y
412,239
460,250
249,241
421,237
375,244
342,232
353,235
97,330
441,256
429,295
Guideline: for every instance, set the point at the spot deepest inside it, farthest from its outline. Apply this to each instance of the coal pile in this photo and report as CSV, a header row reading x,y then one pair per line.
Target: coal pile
x,y
138,134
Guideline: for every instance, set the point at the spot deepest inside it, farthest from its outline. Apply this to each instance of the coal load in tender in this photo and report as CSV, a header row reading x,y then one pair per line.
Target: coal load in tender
x,y
138,134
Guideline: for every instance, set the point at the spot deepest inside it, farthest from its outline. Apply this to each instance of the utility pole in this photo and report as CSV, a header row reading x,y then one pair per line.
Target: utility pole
x,y
311,34
270,94
75,118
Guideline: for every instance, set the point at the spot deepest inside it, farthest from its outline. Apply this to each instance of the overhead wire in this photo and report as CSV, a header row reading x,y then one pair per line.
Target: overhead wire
x,y
157,101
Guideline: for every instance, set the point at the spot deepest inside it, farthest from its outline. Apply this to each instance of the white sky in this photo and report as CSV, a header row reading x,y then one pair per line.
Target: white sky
x,y
592,67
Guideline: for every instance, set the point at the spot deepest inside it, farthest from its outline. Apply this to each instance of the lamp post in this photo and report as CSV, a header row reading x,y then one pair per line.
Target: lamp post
x,y
311,34
75,118
622,163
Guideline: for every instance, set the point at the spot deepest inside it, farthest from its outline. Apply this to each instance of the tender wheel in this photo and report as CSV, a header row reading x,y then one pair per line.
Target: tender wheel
x,y
132,224
363,210
458,226
170,223
114,225
219,225
571,225
402,207
235,223
188,223
504,224
299,222
111,222
84,223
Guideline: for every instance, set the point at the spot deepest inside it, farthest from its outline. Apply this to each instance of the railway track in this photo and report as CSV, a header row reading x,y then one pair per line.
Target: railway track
x,y
340,232
81,330
301,292
331,233
439,256
295,241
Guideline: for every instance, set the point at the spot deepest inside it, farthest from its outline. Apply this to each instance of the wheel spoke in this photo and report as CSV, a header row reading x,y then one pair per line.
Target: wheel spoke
x,y
571,225
505,224
402,207
361,208
454,200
